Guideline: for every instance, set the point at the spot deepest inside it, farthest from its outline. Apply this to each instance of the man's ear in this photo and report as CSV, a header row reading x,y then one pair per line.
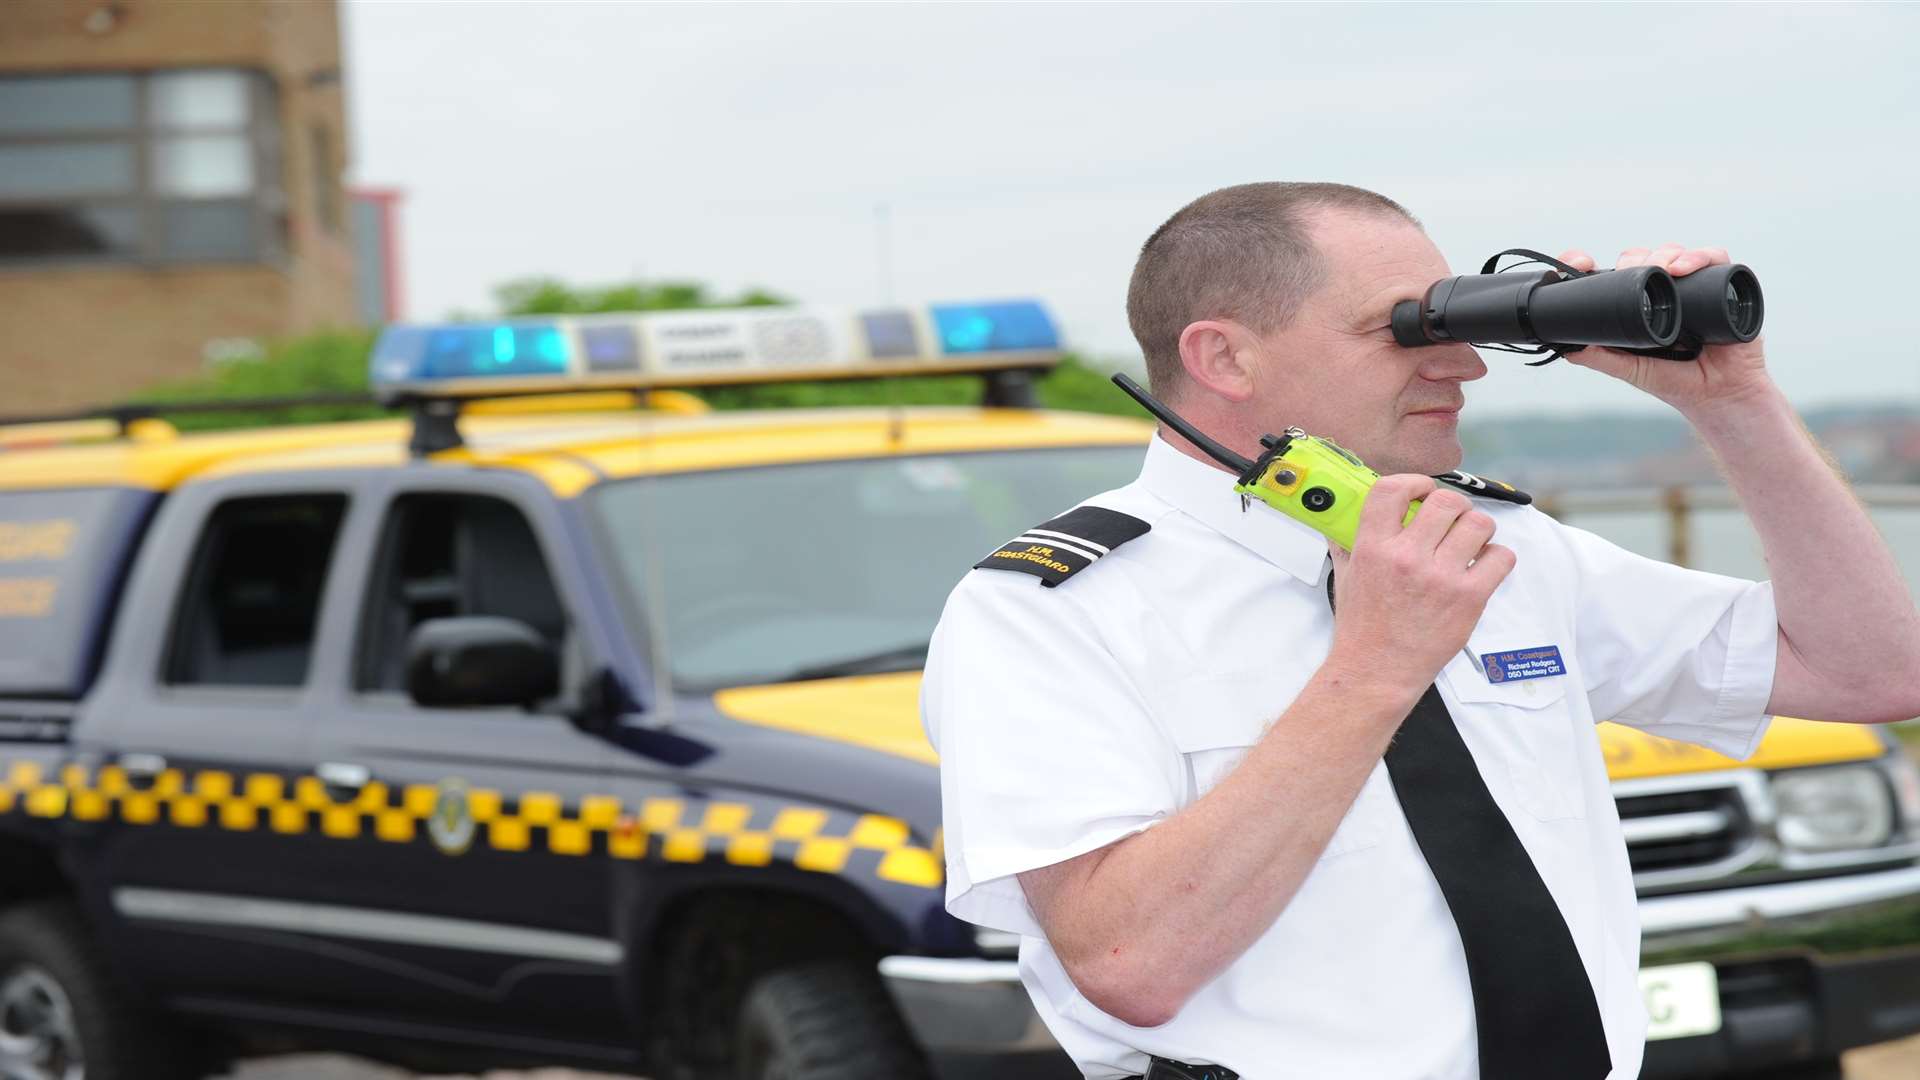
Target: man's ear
x,y
1217,354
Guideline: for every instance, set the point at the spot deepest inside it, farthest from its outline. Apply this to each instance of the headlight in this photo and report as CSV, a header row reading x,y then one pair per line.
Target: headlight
x,y
1831,809
1906,785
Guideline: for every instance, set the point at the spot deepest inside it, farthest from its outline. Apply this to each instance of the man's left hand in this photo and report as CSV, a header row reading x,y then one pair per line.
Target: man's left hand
x,y
1722,375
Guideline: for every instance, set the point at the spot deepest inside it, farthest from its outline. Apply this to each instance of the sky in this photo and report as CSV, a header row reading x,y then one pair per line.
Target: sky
x,y
852,154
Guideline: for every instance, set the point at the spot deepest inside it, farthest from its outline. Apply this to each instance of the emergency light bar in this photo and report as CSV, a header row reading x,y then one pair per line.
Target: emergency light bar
x,y
711,347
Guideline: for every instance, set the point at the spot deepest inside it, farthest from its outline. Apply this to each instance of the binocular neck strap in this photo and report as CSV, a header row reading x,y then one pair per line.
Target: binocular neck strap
x,y
1491,266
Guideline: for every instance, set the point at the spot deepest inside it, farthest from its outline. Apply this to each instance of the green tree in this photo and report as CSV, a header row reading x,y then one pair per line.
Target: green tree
x,y
329,362
549,296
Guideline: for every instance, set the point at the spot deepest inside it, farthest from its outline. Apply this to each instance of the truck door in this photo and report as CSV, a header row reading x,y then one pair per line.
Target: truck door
x,y
187,801
477,890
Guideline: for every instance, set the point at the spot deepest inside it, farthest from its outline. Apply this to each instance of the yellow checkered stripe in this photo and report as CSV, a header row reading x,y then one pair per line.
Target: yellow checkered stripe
x,y
668,829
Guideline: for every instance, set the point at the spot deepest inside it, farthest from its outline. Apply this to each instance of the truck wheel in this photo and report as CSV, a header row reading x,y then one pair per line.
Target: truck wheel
x,y
824,1022
63,1015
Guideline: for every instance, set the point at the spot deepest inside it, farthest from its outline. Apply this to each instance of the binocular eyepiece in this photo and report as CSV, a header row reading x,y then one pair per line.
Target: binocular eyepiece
x,y
1643,309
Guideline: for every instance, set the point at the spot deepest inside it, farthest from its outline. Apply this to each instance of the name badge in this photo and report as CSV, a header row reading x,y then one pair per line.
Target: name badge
x,y
1536,663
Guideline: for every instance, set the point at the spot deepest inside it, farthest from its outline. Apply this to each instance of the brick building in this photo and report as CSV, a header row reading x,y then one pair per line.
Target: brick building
x,y
170,189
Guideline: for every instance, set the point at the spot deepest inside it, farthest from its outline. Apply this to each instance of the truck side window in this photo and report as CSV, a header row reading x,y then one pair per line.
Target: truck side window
x,y
247,613
447,555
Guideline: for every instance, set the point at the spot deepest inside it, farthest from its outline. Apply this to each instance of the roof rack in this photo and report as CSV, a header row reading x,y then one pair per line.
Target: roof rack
x,y
125,414
434,418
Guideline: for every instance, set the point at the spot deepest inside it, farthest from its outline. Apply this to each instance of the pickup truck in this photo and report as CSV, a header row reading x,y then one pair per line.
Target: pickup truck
x,y
568,729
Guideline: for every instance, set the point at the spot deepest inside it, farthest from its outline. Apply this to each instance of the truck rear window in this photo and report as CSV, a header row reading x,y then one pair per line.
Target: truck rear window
x,y
63,555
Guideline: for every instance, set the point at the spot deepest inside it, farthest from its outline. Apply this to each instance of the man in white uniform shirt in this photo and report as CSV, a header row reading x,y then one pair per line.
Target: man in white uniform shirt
x,y
1166,773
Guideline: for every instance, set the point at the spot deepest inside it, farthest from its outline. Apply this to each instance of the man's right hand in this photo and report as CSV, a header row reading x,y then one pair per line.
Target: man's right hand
x,y
1409,597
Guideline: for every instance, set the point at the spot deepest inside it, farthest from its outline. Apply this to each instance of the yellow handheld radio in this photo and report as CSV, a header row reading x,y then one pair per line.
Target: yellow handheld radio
x,y
1308,478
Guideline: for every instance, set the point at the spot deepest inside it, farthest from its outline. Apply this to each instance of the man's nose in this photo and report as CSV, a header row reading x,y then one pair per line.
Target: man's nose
x,y
1458,362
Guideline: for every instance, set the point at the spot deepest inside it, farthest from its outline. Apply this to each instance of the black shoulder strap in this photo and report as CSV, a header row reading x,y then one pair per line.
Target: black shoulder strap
x,y
1054,551
1481,486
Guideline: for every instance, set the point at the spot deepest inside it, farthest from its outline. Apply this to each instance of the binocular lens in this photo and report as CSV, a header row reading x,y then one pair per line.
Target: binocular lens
x,y
1743,303
1657,307
1720,305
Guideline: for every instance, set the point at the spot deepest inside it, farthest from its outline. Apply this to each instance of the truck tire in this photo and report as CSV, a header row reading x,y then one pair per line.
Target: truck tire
x,y
824,1022
63,1014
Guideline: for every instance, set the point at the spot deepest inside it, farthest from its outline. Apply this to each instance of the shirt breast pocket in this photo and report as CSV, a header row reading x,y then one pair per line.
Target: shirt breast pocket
x,y
1217,719
1530,728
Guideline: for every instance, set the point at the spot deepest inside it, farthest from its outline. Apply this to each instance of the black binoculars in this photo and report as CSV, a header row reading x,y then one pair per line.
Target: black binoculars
x,y
1643,309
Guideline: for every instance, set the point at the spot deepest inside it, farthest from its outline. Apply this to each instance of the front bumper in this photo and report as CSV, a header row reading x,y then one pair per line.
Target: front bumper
x,y
974,1019
1807,969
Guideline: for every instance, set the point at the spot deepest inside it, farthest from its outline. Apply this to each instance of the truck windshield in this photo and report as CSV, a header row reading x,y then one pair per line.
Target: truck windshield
x,y
827,568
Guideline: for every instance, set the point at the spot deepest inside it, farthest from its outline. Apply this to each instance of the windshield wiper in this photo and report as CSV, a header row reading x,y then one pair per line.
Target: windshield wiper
x,y
901,658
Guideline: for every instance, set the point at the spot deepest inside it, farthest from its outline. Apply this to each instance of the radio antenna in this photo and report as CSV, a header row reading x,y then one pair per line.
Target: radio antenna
x,y
1187,431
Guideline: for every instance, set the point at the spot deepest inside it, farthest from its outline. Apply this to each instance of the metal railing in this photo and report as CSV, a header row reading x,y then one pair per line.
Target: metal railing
x,y
1679,503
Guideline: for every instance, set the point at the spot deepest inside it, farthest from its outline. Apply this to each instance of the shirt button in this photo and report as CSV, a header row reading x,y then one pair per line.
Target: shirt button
x,y
1529,689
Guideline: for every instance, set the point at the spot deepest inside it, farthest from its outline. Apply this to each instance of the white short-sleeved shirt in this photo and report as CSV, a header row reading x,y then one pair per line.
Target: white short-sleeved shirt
x,y
1068,718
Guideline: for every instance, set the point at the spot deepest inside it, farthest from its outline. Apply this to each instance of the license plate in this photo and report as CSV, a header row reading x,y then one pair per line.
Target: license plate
x,y
1682,999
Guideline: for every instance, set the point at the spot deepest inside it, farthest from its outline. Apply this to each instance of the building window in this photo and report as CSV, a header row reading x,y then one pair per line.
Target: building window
x,y
164,166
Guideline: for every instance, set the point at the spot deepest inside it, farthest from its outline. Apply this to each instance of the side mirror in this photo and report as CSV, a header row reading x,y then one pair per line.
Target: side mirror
x,y
479,660
601,700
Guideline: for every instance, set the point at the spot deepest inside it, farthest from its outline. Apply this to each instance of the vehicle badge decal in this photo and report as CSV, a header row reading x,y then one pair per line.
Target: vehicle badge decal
x,y
451,824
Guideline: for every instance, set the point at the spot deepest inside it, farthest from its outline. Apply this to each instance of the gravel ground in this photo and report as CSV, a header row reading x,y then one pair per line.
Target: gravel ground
x,y
1888,1061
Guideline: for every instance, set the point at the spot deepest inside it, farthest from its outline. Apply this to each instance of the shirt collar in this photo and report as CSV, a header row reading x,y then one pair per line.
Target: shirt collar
x,y
1205,493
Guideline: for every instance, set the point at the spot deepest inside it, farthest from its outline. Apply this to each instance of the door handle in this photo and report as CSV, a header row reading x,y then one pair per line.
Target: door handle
x,y
141,769
343,777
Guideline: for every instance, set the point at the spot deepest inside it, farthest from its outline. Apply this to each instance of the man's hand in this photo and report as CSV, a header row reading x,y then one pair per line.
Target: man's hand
x,y
1722,375
1408,598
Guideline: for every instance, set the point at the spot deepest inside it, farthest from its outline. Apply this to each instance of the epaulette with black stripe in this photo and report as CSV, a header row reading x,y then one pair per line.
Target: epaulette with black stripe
x,y
1480,485
1054,551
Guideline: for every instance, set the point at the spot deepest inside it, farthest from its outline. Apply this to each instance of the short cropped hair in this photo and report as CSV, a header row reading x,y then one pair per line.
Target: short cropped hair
x,y
1240,253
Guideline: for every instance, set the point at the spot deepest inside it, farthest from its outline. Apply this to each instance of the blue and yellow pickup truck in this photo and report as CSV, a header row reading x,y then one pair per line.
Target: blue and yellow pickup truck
x,y
566,721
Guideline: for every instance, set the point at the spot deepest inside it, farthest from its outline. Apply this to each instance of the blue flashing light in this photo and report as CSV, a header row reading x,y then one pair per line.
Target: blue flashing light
x,y
428,353
396,355
1013,326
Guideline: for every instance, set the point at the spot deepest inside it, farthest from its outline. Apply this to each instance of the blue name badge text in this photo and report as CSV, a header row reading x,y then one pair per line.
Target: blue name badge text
x,y
1519,664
